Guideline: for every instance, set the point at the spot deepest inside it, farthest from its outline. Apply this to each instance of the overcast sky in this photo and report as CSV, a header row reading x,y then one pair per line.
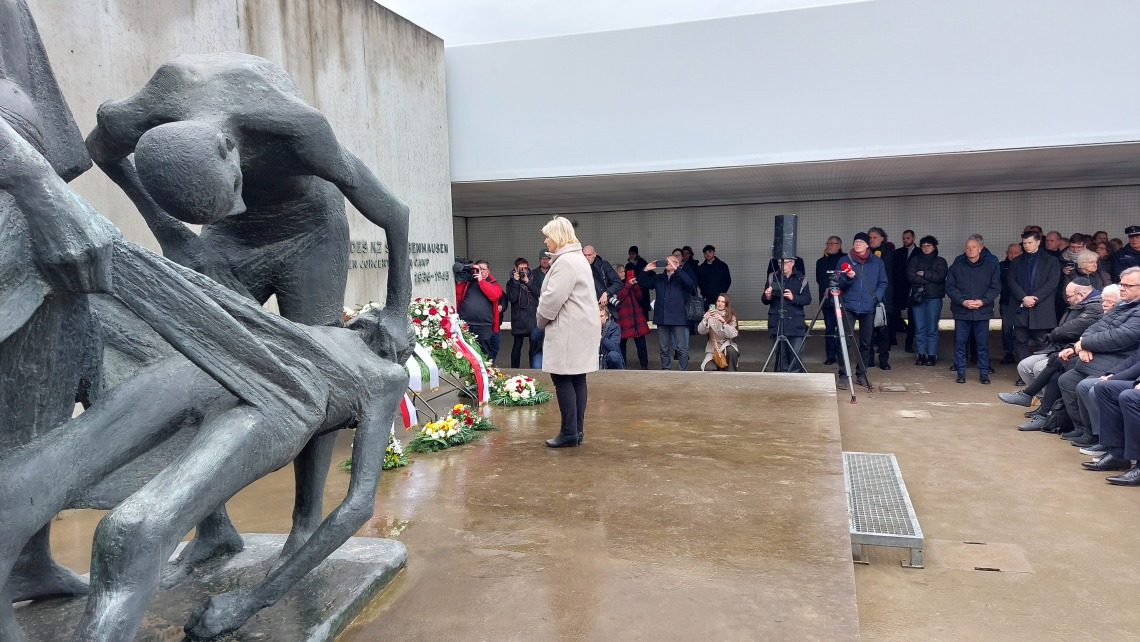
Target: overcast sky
x,y
465,22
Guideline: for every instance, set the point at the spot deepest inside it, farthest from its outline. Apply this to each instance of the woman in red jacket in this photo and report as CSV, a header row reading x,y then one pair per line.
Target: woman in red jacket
x,y
630,317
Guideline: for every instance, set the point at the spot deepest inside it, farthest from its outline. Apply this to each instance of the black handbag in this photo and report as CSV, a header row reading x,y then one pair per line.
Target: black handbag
x,y
695,308
917,294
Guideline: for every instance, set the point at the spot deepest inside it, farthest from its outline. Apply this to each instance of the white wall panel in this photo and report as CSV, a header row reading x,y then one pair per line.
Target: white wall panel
x,y
879,78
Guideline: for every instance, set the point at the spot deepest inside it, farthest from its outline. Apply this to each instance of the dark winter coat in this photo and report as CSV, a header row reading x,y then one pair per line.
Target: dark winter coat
x,y
886,254
1077,318
966,281
793,310
823,265
1123,259
1116,332
611,336
869,286
934,270
673,294
900,283
1043,315
630,317
524,302
1006,265
713,279
605,279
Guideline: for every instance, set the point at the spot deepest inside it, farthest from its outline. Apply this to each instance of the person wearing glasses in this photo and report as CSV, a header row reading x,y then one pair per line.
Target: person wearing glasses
x,y
1101,349
973,284
829,262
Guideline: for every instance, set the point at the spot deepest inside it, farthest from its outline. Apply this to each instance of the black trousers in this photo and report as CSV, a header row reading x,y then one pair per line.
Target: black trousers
x,y
642,352
863,334
571,393
516,350
1025,339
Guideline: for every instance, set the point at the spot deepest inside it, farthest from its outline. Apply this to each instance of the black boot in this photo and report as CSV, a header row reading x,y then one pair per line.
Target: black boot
x,y
563,441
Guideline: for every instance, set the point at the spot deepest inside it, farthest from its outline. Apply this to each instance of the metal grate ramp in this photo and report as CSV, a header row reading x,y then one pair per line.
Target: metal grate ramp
x,y
879,507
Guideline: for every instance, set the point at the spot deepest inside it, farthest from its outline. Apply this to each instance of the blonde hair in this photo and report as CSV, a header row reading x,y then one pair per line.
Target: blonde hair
x,y
561,231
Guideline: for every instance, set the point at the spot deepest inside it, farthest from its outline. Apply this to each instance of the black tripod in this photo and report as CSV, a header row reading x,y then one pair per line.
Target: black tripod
x,y
778,285
844,328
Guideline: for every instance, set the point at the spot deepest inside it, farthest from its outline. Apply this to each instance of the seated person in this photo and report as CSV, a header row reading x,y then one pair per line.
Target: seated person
x,y
610,348
720,322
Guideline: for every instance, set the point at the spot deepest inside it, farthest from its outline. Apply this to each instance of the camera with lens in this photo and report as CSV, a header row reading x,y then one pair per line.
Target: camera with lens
x,y
1068,264
833,278
463,269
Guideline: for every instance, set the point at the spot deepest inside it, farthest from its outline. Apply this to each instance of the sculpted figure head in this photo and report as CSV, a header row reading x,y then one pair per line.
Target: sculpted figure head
x,y
192,170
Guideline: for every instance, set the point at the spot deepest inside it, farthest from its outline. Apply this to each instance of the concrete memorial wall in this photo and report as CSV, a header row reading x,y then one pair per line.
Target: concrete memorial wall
x,y
378,78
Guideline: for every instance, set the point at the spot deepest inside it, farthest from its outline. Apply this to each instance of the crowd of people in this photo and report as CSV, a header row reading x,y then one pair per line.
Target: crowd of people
x,y
1070,311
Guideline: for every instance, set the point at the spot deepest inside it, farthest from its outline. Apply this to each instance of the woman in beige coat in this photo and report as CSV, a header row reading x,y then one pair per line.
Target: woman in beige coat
x,y
568,310
721,323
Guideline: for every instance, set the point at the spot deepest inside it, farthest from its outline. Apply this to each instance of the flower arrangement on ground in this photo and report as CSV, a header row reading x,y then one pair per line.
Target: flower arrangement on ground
x,y
394,455
467,415
432,320
442,434
519,390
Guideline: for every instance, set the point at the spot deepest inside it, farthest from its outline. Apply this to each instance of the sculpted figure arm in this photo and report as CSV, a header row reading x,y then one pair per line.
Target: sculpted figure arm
x,y
73,244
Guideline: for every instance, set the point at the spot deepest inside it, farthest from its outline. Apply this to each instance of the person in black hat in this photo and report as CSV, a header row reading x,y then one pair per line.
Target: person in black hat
x,y
863,282
1129,255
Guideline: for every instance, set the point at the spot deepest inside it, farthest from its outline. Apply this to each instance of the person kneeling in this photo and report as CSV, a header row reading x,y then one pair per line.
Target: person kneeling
x,y
611,341
720,324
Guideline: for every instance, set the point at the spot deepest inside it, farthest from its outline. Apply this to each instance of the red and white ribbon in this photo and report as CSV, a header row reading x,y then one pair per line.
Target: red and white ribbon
x,y
433,370
482,379
408,412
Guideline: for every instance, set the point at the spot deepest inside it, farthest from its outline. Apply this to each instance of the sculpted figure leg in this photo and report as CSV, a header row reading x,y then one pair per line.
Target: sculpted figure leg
x,y
151,522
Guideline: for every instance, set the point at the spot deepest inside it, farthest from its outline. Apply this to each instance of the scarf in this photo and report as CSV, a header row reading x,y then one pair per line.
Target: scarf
x,y
862,257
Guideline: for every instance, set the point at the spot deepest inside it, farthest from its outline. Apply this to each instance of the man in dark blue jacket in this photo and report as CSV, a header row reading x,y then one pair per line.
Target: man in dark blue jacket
x,y
673,291
863,281
973,284
1118,398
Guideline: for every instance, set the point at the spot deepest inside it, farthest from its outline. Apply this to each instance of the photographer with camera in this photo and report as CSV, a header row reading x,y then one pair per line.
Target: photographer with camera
x,y
825,265
522,292
479,306
721,326
606,281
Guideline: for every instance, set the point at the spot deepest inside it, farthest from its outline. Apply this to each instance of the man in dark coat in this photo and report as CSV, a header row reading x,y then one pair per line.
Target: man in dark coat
x,y
787,305
829,262
881,341
973,284
1033,279
1004,308
673,291
606,281
1129,255
900,291
713,277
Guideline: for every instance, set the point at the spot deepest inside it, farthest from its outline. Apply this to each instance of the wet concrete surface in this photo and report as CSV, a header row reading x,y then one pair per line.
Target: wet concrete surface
x,y
601,546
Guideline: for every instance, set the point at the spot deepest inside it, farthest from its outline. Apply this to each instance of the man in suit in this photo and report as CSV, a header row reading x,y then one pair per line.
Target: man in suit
x,y
1033,279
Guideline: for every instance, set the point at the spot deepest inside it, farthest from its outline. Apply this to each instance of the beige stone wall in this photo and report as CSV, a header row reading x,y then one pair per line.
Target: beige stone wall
x,y
377,77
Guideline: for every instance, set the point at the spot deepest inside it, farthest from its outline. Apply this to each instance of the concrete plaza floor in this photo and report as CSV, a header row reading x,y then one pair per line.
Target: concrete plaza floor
x,y
1062,541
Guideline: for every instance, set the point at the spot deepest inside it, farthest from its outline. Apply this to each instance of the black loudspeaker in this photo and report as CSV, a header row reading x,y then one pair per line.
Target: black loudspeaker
x,y
784,237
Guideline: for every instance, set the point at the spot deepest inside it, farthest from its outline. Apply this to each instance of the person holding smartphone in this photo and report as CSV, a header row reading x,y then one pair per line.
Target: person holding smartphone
x,y
720,322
